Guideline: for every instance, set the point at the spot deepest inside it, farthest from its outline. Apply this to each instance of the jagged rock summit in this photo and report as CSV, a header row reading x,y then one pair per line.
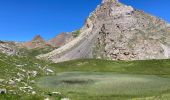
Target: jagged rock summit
x,y
58,40
116,31
36,42
8,48
38,38
105,1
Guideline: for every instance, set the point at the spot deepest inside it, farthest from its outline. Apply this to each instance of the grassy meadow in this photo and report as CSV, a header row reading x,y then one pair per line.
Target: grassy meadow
x,y
94,79
89,79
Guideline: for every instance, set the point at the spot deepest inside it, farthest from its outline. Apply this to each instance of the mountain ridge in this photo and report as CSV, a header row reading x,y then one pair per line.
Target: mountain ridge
x,y
39,42
116,31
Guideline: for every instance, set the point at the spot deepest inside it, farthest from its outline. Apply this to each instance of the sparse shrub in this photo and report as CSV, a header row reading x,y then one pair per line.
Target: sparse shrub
x,y
76,33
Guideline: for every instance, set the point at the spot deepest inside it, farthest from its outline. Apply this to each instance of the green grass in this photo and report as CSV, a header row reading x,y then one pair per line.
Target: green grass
x,y
10,66
20,97
76,33
106,84
36,51
146,67
153,75
121,79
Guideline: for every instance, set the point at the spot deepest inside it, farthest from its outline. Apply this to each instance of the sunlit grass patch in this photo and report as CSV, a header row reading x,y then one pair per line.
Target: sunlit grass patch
x,y
106,84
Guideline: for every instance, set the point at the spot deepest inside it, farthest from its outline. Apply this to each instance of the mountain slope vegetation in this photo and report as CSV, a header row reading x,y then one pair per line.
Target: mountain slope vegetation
x,y
18,72
109,58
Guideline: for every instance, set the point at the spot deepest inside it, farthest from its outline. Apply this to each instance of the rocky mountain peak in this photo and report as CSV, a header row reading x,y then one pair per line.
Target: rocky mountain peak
x,y
36,42
39,42
116,31
114,1
38,38
58,40
8,48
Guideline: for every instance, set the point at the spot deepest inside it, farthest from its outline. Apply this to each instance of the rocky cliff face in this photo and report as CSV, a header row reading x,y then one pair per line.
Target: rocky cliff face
x,y
168,25
39,42
58,40
8,48
36,42
115,31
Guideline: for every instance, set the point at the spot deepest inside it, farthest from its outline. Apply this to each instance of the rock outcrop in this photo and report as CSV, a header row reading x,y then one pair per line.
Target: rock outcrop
x,y
8,48
36,42
168,25
115,31
58,40
39,42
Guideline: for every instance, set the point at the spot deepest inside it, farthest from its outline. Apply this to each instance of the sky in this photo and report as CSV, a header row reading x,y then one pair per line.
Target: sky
x,y
21,20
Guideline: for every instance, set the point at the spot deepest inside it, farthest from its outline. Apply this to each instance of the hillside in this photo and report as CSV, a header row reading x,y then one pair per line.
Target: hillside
x,y
115,31
8,48
58,40
17,77
36,42
26,78
120,53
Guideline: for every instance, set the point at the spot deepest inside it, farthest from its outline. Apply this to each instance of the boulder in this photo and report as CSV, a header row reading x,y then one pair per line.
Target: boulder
x,y
3,91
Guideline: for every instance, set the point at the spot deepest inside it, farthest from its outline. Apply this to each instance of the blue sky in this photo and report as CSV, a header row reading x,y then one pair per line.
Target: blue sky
x,y
21,20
